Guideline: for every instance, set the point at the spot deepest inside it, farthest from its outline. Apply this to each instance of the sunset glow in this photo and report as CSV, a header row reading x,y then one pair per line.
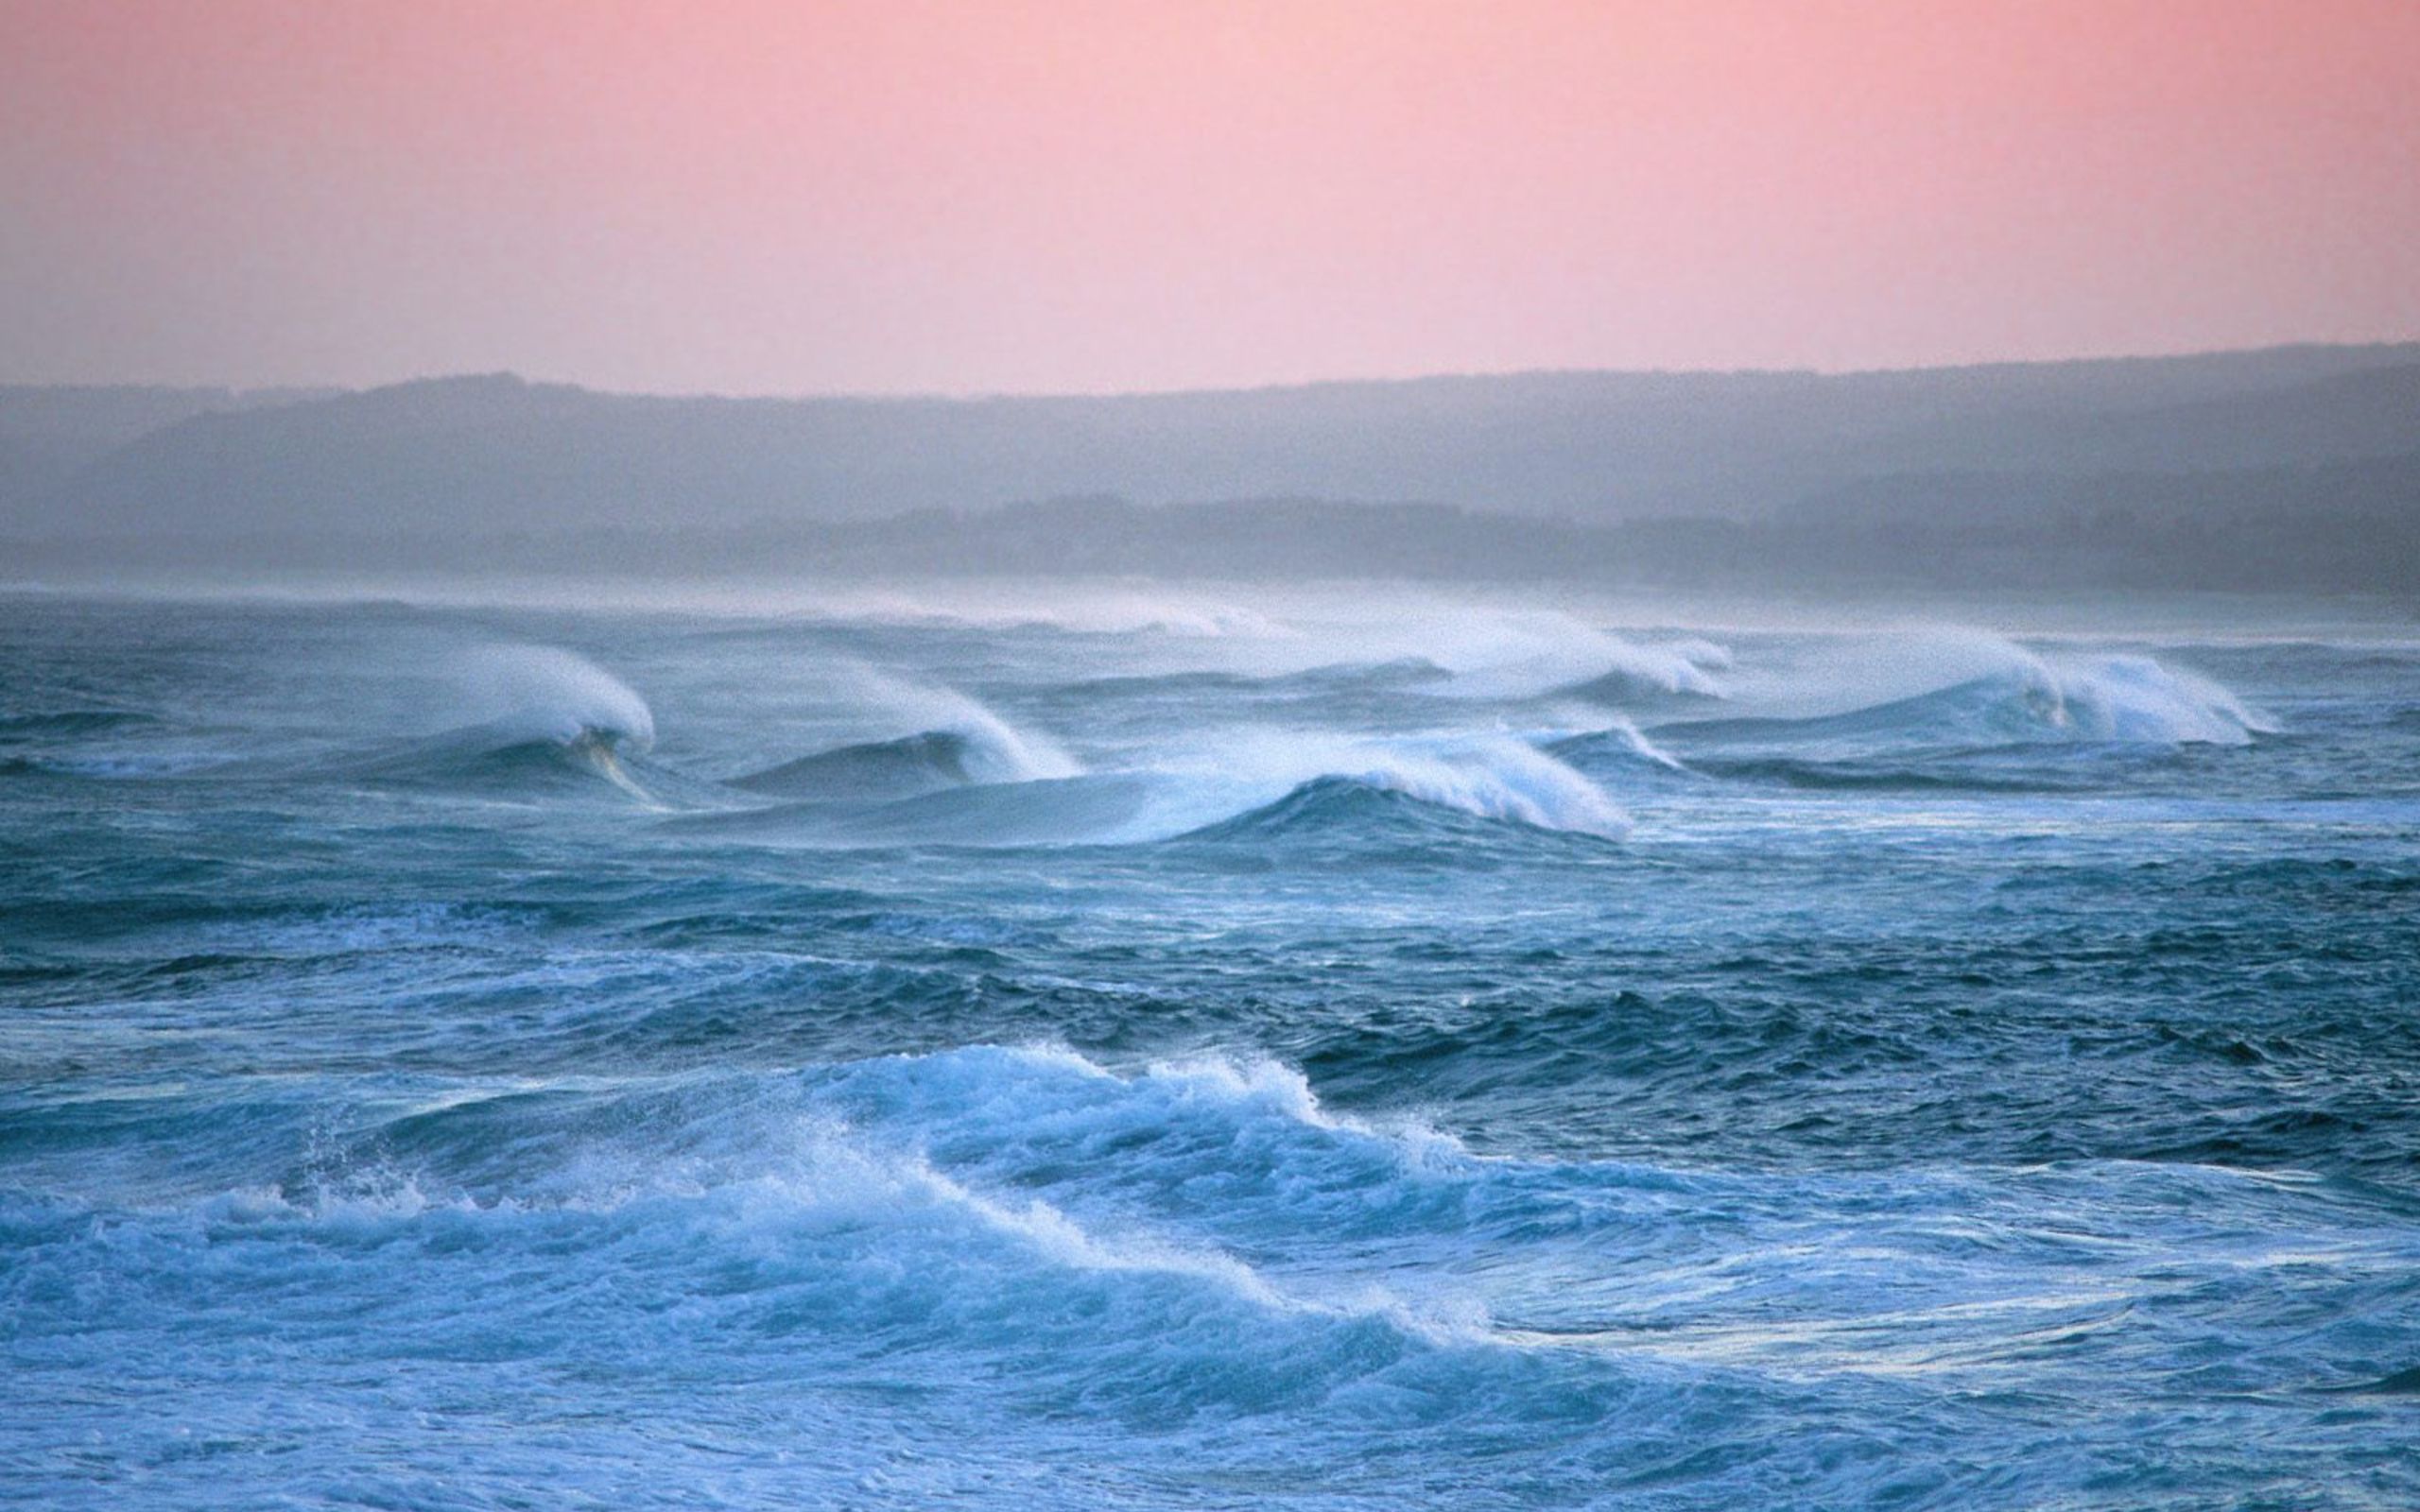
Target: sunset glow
x,y
779,197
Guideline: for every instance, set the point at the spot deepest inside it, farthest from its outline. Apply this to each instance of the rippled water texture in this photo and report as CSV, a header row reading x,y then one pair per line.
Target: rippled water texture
x,y
1123,1048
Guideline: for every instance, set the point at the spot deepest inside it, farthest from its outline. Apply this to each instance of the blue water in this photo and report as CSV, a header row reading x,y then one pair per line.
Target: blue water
x,y
1139,1049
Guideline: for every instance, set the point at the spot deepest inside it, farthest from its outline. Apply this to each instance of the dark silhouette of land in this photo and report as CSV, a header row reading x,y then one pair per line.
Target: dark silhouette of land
x,y
2293,468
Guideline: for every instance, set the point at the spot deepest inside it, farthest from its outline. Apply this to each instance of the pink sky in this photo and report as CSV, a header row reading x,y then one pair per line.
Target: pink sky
x,y
1148,194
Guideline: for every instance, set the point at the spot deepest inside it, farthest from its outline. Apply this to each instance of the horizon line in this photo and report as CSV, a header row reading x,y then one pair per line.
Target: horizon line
x,y
310,390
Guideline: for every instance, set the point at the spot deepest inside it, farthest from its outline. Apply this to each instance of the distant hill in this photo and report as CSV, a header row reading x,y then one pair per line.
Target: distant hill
x,y
2312,452
50,435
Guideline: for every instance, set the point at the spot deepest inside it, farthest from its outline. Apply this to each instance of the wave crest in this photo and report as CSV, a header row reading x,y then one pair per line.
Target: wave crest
x,y
2014,698
2134,699
543,692
1495,778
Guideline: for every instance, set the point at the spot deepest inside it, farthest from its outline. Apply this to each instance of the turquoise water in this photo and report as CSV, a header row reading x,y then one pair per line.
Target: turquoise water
x,y
1142,1049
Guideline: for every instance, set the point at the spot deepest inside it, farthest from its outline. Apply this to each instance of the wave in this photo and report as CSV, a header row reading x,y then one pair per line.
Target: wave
x,y
921,1199
1525,656
981,748
2134,700
857,1199
1620,744
905,768
965,745
530,694
544,719
1256,781
2028,699
971,1275
994,750
989,1200
555,719
1494,779
103,744
1395,672
1334,808
1656,674
504,759
51,724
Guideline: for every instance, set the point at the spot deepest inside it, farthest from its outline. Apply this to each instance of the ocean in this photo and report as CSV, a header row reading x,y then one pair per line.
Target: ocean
x,y
1119,1045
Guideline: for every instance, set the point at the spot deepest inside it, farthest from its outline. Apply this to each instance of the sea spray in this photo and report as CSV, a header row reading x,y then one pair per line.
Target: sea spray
x,y
1957,687
1000,751
547,692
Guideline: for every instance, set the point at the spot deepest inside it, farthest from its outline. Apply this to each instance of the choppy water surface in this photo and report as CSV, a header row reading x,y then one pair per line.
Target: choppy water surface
x,y
1154,1050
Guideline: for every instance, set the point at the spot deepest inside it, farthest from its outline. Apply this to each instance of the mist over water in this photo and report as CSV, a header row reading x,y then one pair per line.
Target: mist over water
x,y
1149,1045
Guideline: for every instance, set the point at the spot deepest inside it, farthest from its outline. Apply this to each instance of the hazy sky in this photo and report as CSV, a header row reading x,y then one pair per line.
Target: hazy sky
x,y
1146,194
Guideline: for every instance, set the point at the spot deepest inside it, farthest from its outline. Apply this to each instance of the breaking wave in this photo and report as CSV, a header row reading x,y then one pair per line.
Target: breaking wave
x,y
543,692
551,718
1498,779
1620,744
958,729
542,719
904,792
2027,699
909,766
